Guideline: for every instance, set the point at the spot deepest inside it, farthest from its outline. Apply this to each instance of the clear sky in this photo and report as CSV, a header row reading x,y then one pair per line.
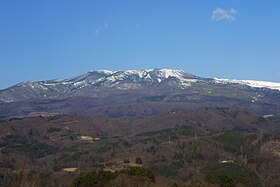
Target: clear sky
x,y
47,39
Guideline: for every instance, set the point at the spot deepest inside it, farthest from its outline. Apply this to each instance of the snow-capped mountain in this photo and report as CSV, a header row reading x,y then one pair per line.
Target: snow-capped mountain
x,y
96,83
251,83
130,79
99,80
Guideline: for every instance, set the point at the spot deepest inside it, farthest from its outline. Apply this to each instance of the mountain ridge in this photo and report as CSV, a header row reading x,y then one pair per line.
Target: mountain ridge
x,y
94,83
96,80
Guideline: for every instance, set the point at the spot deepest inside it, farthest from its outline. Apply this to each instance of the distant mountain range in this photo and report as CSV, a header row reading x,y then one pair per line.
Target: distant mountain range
x,y
168,89
97,82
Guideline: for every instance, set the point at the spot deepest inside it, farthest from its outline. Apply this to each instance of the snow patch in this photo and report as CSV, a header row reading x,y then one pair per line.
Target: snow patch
x,y
251,83
106,72
187,82
166,73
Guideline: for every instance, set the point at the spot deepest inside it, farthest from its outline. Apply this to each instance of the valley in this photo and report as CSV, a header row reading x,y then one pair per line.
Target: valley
x,y
183,147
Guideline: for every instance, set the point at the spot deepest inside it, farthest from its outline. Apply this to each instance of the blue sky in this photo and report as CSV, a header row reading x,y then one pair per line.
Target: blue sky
x,y
42,40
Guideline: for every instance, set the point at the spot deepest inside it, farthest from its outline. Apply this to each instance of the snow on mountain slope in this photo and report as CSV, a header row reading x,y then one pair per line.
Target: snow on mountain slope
x,y
110,78
251,83
139,78
96,82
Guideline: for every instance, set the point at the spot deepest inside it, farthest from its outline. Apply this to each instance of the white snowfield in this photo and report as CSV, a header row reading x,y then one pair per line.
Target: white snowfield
x,y
251,83
163,73
157,74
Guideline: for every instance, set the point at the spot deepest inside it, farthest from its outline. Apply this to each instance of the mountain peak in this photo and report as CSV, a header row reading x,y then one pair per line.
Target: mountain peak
x,y
97,82
160,72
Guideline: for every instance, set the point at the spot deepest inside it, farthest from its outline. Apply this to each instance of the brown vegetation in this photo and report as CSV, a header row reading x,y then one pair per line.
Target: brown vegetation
x,y
175,146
